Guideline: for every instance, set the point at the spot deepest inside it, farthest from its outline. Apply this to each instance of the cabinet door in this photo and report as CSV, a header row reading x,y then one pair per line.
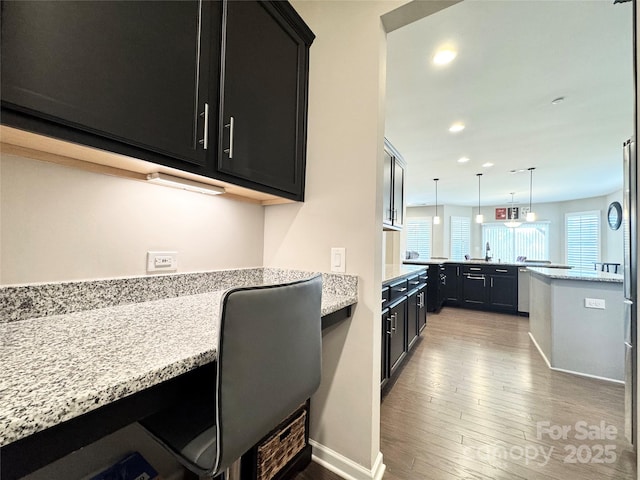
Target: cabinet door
x,y
451,284
387,199
134,72
398,331
398,194
473,289
384,349
412,318
422,308
503,292
264,98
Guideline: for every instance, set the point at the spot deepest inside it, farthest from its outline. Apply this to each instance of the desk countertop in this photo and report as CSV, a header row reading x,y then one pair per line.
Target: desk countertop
x,y
58,367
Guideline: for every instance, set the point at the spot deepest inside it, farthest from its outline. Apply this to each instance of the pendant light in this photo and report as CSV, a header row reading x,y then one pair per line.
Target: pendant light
x,y
479,216
531,217
436,219
512,223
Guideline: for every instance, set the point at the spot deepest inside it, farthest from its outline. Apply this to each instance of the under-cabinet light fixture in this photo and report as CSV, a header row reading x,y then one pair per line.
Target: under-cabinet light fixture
x,y
436,219
479,216
184,184
531,216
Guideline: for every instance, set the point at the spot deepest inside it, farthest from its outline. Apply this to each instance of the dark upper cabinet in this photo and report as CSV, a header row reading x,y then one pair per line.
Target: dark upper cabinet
x,y
264,97
393,188
159,80
119,73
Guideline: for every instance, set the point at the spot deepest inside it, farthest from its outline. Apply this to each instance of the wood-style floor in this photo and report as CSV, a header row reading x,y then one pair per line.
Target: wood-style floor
x,y
476,401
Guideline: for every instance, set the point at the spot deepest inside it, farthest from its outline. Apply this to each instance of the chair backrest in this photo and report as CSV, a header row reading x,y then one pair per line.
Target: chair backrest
x,y
269,361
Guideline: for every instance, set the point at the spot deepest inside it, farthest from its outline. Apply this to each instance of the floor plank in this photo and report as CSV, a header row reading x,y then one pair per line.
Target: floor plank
x,y
468,402
467,405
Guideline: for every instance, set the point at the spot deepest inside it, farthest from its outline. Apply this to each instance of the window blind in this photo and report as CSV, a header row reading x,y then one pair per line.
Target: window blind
x,y
583,239
460,238
419,236
530,240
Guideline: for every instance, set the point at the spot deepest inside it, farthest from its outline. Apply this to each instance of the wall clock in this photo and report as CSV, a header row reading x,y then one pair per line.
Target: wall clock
x,y
614,215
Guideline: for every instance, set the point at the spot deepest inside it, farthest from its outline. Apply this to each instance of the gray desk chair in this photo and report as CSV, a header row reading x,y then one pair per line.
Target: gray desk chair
x,y
269,362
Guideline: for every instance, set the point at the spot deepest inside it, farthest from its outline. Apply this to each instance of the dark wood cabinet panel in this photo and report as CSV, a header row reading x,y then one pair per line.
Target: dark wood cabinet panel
x,y
264,97
413,303
132,72
450,283
384,356
503,291
474,290
393,188
387,189
422,307
397,338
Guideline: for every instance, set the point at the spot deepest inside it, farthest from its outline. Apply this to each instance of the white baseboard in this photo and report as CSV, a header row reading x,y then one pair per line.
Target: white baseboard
x,y
546,360
343,466
572,372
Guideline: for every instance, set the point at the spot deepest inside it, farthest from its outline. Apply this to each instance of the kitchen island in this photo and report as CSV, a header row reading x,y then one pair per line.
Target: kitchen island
x,y
82,359
576,321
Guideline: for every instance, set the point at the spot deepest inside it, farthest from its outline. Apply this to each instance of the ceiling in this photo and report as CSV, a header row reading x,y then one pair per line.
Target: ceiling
x,y
513,58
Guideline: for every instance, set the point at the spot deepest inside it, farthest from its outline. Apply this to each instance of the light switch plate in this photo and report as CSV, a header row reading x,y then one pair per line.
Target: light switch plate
x,y
162,261
338,260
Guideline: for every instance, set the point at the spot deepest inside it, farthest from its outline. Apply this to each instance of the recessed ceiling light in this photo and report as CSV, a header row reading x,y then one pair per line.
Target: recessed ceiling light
x,y
463,160
487,164
444,56
556,101
456,127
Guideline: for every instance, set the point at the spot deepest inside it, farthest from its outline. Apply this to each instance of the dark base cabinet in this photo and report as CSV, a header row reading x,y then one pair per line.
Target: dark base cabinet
x,y
404,316
491,287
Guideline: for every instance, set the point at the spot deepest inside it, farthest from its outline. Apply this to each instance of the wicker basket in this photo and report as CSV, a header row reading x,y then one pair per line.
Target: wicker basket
x,y
277,450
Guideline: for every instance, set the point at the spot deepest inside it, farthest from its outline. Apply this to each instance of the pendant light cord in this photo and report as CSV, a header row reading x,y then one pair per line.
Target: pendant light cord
x,y
436,180
531,169
478,175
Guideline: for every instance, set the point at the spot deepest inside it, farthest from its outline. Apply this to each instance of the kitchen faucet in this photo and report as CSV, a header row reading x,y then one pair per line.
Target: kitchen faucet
x,y
487,253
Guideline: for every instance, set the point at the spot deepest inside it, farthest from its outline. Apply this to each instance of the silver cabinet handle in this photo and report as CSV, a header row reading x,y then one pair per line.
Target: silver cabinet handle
x,y
400,290
205,137
230,127
501,270
458,271
389,332
475,269
491,282
473,277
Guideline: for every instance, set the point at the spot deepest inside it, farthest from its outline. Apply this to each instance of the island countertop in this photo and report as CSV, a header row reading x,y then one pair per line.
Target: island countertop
x,y
436,261
573,274
57,367
393,271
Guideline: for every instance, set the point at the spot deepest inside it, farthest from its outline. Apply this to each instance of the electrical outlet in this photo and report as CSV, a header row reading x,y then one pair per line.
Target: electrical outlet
x,y
162,262
598,303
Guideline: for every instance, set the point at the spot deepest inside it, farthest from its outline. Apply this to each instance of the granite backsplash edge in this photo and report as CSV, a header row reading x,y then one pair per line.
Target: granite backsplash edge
x,y
20,302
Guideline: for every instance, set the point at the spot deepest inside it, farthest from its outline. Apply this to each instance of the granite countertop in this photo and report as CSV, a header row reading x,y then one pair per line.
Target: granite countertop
x,y
586,275
482,262
393,272
58,367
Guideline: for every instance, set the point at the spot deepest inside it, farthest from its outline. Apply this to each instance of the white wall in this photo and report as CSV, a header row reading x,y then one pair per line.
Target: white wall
x,y
342,209
60,223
